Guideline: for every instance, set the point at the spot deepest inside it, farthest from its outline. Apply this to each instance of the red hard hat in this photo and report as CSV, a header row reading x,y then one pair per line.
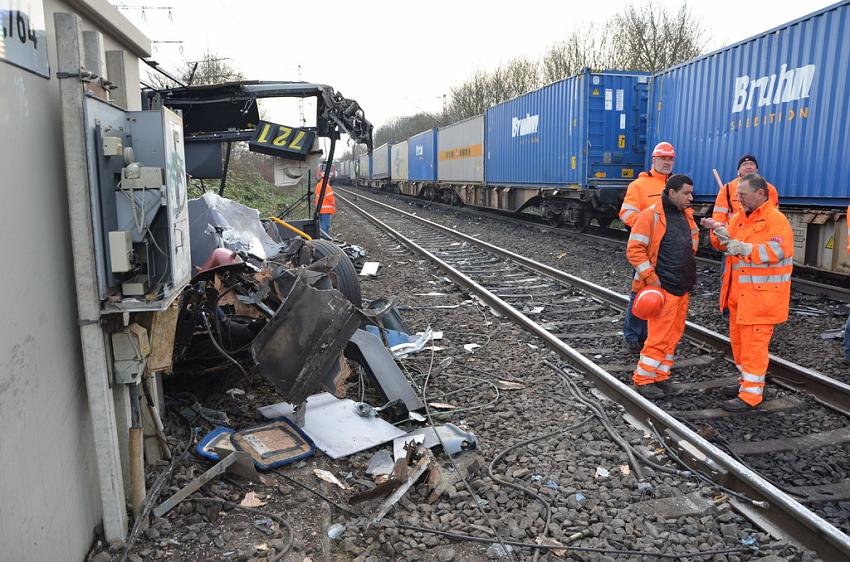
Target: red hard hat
x,y
648,303
664,149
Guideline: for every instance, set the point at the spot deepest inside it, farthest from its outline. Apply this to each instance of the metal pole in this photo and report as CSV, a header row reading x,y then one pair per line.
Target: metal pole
x,y
325,179
226,166
101,406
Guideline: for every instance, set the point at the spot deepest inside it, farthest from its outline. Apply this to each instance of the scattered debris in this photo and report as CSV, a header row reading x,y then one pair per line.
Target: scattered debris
x,y
300,346
602,472
835,334
497,550
552,542
401,444
335,427
508,385
369,352
266,526
413,344
370,268
335,531
415,473
624,468
470,347
251,499
381,464
441,406
454,439
274,445
234,392
234,459
329,477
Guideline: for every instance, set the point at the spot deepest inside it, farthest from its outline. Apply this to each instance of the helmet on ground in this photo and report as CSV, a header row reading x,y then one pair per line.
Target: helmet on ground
x,y
648,303
664,149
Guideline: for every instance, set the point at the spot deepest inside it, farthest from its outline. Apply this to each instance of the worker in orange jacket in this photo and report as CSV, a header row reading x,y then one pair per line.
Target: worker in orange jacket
x,y
641,193
727,204
759,247
661,248
847,326
328,207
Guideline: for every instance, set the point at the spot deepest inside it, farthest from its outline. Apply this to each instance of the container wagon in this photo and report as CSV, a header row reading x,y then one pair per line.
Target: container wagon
x,y
421,162
380,164
398,171
363,170
782,96
570,148
460,159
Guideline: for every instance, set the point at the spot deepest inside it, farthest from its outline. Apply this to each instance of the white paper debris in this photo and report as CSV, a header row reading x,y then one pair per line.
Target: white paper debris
x,y
251,499
471,347
370,268
601,472
329,477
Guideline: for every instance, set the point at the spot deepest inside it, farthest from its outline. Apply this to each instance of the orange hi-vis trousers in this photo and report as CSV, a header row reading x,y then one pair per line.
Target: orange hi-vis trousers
x,y
663,335
750,350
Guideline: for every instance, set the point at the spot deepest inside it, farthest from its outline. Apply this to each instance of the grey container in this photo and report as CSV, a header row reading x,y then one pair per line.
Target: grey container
x,y
398,159
381,162
460,152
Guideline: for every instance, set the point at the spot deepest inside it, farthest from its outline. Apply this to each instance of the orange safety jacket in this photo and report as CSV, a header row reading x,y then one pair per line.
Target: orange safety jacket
x,y
727,202
329,202
760,283
646,190
645,240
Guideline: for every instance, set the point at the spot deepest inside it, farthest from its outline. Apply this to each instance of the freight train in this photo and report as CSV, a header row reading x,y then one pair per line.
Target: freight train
x,y
568,150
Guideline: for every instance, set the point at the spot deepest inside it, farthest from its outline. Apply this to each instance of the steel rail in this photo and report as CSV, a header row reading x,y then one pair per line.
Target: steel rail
x,y
783,515
799,284
829,392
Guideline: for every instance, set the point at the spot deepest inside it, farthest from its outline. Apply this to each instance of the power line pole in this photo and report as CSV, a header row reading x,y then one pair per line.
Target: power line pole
x,y
301,102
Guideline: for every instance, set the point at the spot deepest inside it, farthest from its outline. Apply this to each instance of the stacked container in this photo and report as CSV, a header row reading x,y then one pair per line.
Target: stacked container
x,y
460,152
781,95
381,162
422,156
587,130
398,156
364,167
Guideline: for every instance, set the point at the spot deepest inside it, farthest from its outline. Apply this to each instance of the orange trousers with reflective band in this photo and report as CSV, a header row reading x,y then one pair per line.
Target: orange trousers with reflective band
x,y
750,350
663,335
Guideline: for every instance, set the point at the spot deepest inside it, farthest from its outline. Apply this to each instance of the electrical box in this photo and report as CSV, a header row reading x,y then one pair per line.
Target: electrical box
x,y
120,251
137,172
130,351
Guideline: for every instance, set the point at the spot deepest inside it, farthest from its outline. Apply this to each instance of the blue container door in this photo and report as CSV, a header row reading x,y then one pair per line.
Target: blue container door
x,y
616,127
422,156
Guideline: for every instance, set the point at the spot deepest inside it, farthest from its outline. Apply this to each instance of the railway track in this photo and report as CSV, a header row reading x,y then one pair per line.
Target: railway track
x,y
801,284
580,320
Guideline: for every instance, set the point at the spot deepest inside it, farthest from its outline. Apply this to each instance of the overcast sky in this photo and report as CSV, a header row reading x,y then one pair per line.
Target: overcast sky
x,y
399,57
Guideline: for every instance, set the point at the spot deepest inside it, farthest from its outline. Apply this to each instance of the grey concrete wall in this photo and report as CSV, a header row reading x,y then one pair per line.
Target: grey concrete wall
x,y
48,475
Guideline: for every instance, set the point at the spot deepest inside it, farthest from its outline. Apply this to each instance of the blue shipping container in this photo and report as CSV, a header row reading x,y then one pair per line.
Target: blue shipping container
x,y
587,130
422,156
783,95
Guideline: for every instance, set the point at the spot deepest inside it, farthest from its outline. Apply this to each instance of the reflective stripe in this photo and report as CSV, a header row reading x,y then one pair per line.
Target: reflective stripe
x,y
641,267
628,207
752,390
777,249
694,230
749,377
628,213
649,361
763,252
722,210
783,263
639,238
654,218
764,278
669,357
644,373
663,368
637,276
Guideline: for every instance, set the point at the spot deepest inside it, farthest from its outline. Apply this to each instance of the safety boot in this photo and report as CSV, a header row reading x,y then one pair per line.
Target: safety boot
x,y
737,405
650,390
668,388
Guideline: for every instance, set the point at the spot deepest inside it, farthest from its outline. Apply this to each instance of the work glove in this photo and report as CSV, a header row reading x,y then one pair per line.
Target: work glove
x,y
738,248
722,234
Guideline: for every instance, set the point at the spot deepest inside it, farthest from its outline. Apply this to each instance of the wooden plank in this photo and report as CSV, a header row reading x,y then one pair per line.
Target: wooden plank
x,y
812,441
777,405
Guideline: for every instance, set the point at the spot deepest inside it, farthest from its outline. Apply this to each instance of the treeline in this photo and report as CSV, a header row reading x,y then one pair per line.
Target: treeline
x,y
646,37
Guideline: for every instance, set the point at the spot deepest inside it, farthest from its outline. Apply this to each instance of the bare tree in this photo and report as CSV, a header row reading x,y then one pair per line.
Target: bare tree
x,y
650,38
210,69
587,46
402,128
485,89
